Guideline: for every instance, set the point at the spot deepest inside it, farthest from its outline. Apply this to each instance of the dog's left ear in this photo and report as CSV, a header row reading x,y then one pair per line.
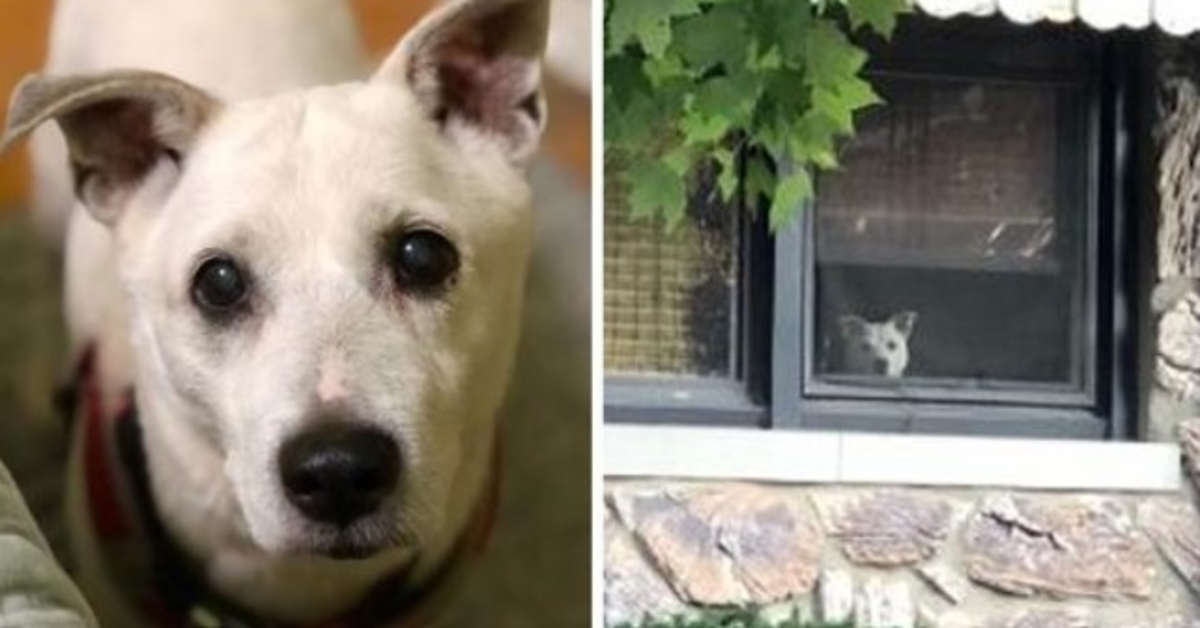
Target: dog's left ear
x,y
904,322
477,64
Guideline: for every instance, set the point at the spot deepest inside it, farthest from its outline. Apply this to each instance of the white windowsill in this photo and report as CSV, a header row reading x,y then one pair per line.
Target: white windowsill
x,y
863,458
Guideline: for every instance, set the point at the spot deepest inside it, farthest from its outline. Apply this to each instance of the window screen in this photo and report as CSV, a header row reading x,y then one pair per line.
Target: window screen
x,y
949,247
669,296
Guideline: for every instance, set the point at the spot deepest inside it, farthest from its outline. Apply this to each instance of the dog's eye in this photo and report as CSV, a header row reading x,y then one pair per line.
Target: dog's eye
x,y
423,260
218,285
891,345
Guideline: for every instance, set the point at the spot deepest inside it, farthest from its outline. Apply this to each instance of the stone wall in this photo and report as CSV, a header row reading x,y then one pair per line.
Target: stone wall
x,y
1174,394
905,557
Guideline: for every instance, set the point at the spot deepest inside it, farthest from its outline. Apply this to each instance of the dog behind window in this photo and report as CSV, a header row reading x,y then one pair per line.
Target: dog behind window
x,y
875,348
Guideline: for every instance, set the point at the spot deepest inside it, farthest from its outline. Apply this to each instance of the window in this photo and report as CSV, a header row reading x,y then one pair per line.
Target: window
x,y
677,327
961,272
670,304
960,215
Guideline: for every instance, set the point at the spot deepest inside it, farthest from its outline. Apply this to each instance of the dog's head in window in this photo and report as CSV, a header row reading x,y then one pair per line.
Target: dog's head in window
x,y
876,348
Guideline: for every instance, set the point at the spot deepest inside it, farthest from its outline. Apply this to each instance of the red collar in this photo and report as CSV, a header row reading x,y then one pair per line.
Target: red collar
x,y
168,593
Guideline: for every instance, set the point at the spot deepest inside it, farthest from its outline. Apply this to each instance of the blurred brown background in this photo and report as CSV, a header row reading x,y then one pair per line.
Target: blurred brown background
x,y
24,23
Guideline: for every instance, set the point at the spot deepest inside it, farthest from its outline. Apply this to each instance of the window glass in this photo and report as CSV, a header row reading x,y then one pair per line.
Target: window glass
x,y
949,244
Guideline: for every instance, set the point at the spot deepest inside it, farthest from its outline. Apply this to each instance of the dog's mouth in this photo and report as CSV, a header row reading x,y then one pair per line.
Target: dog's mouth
x,y
364,539
349,550
346,548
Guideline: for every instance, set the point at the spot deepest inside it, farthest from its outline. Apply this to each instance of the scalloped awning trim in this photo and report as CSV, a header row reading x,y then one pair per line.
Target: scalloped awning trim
x,y
1175,17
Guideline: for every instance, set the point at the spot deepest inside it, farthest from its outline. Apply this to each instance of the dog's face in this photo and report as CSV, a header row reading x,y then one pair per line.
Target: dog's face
x,y
876,348
338,305
327,284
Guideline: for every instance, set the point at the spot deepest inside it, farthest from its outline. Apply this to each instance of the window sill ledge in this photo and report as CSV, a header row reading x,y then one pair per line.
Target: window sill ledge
x,y
864,458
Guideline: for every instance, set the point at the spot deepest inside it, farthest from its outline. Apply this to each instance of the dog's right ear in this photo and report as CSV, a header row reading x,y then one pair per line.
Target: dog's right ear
x,y
853,326
118,126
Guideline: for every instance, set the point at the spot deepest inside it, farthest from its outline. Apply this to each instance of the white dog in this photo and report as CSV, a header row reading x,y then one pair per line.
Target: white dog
x,y
314,297
881,348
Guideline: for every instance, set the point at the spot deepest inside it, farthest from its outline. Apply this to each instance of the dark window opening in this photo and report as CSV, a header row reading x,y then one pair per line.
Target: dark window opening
x,y
959,273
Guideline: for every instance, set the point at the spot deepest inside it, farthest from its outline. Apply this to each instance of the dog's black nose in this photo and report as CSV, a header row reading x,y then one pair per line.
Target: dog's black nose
x,y
338,473
881,366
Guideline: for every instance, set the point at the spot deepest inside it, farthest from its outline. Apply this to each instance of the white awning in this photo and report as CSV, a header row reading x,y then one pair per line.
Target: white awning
x,y
1176,17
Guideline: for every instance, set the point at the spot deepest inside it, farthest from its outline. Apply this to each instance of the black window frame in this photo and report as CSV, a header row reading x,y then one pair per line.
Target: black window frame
x,y
776,369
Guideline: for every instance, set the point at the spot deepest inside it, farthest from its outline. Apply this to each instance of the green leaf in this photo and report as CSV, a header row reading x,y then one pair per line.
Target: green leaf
x,y
646,23
879,15
814,140
828,102
717,37
679,159
732,97
684,76
831,57
663,70
824,158
720,95
727,179
760,179
701,128
786,23
639,120
857,94
655,191
623,79
793,187
763,56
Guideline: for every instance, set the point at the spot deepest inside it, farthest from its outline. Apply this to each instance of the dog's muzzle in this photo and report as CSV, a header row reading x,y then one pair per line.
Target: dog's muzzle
x,y
338,474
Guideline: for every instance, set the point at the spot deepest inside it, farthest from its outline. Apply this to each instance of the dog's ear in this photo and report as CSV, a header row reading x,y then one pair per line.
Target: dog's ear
x,y
477,64
904,322
853,326
117,125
